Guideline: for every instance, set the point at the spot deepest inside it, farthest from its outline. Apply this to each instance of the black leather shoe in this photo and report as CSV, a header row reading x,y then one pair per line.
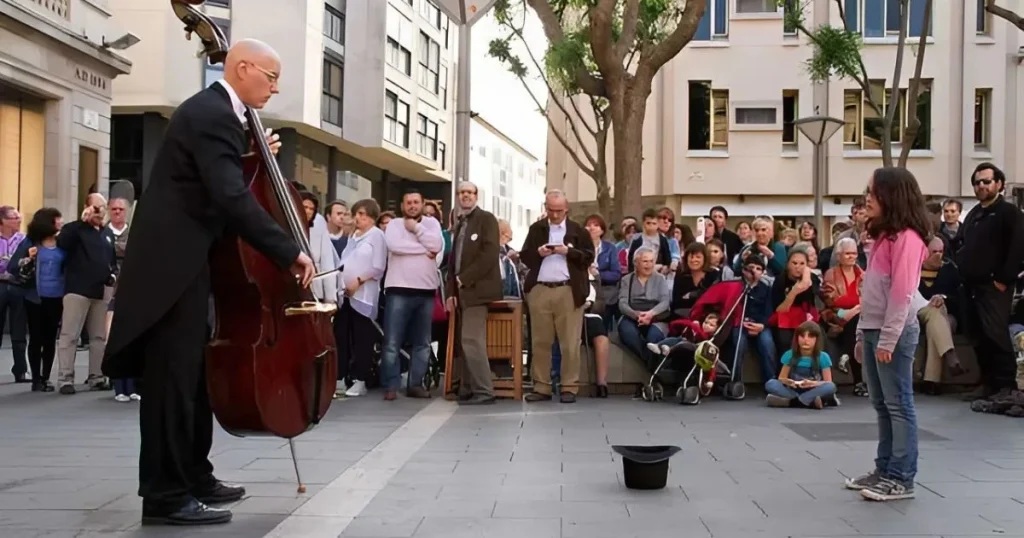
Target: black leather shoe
x,y
567,398
218,492
602,391
192,512
478,399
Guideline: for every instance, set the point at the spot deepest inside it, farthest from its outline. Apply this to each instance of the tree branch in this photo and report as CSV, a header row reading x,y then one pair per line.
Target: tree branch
x,y
652,59
1003,13
630,19
602,44
894,90
555,34
913,122
561,139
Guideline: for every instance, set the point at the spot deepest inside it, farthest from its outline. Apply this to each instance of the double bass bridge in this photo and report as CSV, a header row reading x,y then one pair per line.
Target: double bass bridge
x,y
306,308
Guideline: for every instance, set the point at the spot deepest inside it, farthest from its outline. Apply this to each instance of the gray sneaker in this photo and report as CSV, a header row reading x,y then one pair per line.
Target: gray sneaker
x,y
863,482
888,490
777,401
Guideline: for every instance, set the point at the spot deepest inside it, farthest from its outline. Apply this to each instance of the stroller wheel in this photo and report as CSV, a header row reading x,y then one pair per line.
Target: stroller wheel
x,y
690,396
735,390
653,392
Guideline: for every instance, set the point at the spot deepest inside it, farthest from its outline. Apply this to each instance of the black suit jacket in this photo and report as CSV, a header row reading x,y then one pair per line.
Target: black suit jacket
x,y
579,257
197,190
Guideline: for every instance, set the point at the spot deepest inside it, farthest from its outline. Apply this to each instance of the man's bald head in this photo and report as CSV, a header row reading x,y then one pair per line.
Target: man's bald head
x,y
252,68
95,199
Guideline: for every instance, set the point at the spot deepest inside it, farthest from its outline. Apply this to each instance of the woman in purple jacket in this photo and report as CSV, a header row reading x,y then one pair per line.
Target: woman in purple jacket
x,y
888,330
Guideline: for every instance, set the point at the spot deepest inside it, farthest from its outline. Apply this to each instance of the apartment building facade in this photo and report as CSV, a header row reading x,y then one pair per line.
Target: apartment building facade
x,y
509,179
56,70
364,108
720,130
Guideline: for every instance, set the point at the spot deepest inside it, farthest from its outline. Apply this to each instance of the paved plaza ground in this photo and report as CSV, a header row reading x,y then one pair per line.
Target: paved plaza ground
x,y
68,468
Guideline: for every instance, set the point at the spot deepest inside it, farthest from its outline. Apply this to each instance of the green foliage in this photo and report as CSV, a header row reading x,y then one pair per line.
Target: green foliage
x,y
837,51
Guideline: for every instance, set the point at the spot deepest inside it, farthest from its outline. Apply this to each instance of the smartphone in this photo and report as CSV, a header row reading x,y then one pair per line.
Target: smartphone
x,y
552,246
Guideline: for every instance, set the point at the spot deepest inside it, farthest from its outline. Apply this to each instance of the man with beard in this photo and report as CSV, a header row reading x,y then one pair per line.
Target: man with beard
x,y
990,259
410,284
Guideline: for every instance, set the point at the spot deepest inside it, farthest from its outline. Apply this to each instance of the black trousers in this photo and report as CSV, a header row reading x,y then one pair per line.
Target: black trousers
x,y
43,325
12,312
175,418
355,336
991,334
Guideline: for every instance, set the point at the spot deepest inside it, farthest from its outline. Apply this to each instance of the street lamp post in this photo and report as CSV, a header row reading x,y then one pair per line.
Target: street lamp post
x,y
818,129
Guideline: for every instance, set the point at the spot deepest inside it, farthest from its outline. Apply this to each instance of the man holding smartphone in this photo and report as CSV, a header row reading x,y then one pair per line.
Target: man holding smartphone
x,y
558,253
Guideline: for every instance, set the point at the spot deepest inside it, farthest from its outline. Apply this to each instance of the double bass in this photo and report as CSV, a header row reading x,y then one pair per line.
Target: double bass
x,y
271,364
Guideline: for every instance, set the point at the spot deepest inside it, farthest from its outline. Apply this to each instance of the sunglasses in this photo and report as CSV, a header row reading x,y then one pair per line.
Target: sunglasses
x,y
985,182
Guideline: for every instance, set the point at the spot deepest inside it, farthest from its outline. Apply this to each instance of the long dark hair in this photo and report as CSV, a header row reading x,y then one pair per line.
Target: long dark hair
x,y
813,329
901,204
43,224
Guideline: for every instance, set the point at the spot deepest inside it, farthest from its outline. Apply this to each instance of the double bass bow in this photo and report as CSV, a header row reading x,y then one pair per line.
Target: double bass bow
x,y
271,364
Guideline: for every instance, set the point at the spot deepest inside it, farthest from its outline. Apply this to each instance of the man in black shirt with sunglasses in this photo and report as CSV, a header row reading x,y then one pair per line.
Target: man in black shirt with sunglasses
x,y
990,259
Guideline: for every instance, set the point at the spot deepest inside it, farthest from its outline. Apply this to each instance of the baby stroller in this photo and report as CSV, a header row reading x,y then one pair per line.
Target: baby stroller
x,y
707,353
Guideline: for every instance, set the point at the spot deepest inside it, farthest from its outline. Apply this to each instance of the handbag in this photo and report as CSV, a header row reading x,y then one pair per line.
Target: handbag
x,y
26,277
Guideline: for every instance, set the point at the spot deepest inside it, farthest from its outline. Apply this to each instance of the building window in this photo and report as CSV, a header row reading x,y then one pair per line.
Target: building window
x,y
442,155
427,131
982,118
330,101
429,53
334,24
881,18
790,112
399,42
715,22
430,12
709,116
399,57
756,116
863,129
213,73
756,6
788,26
396,120
984,21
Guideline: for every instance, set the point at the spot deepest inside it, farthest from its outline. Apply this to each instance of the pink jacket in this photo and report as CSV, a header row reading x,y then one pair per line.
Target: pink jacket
x,y
892,278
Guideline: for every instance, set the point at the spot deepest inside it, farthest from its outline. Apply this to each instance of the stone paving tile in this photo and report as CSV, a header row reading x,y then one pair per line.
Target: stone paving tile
x,y
68,468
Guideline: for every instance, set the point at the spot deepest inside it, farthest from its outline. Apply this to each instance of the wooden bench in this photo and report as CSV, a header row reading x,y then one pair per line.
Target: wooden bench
x,y
504,344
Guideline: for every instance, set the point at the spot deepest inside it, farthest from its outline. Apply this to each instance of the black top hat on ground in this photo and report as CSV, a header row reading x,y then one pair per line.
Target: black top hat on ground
x,y
645,467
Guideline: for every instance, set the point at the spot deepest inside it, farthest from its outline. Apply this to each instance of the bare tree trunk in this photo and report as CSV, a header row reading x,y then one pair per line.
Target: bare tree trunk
x,y
913,122
628,116
604,192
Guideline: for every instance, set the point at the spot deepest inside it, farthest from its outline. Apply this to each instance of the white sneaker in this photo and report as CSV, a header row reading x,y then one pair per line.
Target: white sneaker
x,y
358,388
123,398
135,397
655,349
844,363
666,351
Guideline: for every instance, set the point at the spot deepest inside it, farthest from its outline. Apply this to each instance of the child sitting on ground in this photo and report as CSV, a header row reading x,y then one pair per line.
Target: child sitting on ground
x,y
806,376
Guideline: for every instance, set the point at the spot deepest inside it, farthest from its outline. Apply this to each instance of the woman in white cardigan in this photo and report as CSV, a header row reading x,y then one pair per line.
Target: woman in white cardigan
x,y
324,255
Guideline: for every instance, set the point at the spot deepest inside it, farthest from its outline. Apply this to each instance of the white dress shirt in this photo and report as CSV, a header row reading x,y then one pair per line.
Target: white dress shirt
x,y
554,267
236,103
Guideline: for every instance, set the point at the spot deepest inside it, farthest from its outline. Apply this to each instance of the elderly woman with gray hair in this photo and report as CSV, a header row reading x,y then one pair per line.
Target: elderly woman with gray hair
x,y
840,290
644,300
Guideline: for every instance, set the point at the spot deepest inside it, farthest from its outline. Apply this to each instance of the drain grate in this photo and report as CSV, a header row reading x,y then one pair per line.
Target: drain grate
x,y
848,431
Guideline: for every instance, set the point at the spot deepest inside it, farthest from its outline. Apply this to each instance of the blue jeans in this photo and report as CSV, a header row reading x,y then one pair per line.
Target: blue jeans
x,y
764,348
124,386
890,386
406,319
806,397
636,339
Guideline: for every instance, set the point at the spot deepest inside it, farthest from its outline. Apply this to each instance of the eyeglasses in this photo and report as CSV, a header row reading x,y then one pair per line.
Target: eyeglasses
x,y
271,76
986,182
